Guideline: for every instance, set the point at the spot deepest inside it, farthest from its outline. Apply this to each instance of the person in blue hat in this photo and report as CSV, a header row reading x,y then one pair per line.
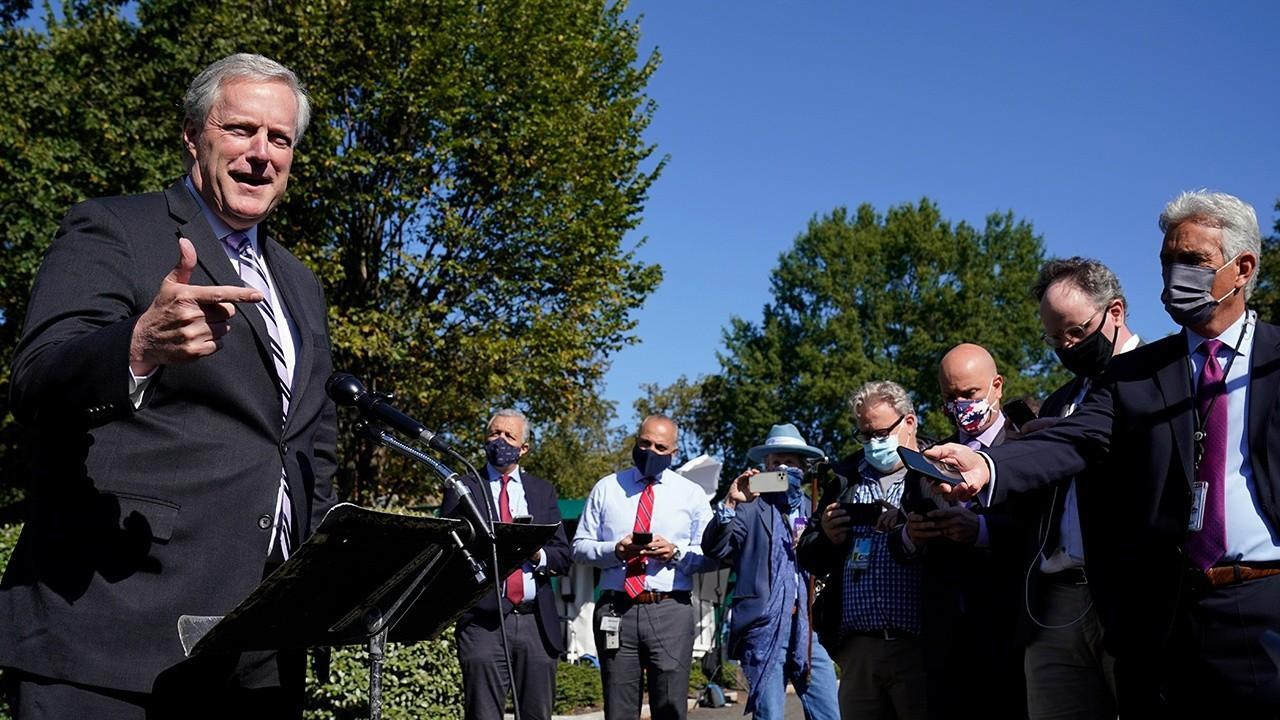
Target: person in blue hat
x,y
770,626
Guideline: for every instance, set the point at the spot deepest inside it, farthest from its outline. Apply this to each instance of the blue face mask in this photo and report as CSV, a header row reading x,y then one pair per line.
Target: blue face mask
x,y
500,454
795,480
882,454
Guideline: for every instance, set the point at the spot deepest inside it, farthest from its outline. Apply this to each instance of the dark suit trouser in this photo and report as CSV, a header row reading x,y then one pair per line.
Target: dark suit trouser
x,y
484,669
189,691
656,638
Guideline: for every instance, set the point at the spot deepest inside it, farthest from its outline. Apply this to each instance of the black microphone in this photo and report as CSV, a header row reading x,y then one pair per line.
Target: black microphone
x,y
345,389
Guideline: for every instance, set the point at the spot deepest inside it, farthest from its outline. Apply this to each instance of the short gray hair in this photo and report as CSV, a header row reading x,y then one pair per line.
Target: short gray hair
x,y
513,413
1233,216
878,391
205,89
1086,274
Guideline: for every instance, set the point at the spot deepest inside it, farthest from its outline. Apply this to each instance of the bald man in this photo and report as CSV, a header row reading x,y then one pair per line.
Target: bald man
x,y
969,552
643,528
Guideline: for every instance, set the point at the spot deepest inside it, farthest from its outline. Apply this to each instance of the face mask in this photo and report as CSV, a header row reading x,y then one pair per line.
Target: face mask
x,y
1089,357
1188,293
969,415
500,454
795,478
649,463
882,454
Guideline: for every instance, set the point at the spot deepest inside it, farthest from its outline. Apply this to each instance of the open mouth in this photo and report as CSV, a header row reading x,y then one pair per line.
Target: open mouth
x,y
252,180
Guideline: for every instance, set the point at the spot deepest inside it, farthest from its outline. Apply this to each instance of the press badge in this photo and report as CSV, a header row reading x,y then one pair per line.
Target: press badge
x,y
860,555
1199,490
610,623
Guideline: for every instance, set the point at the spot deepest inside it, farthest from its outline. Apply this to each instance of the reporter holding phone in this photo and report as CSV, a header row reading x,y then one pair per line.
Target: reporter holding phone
x,y
869,613
644,619
770,632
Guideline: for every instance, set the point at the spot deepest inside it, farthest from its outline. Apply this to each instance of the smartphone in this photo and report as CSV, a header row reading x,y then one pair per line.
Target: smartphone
x,y
917,462
522,519
773,481
1019,412
641,538
862,513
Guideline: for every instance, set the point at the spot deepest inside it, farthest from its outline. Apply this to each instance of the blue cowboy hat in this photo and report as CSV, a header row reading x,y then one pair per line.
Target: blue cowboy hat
x,y
784,439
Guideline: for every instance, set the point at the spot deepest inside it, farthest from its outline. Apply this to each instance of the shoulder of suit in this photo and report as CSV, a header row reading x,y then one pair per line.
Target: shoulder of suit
x,y
152,203
1138,364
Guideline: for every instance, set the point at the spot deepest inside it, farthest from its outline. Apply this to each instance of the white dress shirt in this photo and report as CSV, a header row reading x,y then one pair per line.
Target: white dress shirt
x,y
680,514
1249,537
518,505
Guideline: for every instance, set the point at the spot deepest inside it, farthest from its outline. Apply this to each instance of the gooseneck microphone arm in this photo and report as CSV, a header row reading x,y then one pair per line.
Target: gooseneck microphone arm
x,y
345,389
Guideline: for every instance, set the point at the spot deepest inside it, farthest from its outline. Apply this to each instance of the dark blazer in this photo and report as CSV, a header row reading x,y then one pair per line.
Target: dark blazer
x,y
138,516
542,499
1135,429
745,542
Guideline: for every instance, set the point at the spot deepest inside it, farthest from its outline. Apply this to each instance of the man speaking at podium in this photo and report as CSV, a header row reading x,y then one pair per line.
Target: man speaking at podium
x,y
171,374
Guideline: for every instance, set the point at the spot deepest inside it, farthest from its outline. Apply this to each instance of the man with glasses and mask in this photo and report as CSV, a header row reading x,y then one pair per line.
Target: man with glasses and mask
x,y
1187,432
1069,672
528,602
643,528
770,629
969,553
869,613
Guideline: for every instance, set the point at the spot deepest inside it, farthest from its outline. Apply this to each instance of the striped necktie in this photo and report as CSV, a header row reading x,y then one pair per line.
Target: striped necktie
x,y
633,582
253,274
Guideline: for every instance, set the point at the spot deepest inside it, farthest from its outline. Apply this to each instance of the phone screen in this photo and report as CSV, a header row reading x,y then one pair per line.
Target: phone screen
x,y
642,538
923,465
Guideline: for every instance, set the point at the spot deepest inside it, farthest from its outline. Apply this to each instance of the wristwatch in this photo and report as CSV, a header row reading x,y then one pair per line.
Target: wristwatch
x,y
675,557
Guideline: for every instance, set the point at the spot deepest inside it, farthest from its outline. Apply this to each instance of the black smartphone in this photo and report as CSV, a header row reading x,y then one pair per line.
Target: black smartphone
x,y
862,513
641,538
1019,412
522,519
917,462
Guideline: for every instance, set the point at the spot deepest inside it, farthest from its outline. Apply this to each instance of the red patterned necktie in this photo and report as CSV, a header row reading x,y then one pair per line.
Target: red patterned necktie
x,y
634,583
515,581
1206,547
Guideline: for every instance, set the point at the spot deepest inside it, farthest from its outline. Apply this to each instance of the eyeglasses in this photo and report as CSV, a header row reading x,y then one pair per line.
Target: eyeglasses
x,y
869,435
1073,334
645,444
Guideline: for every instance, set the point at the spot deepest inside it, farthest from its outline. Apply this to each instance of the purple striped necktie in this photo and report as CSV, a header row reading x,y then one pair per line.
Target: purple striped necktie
x,y
1207,546
253,274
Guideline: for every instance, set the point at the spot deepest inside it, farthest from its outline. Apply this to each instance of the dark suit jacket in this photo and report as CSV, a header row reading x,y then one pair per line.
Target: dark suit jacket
x,y
745,542
137,517
542,499
1135,429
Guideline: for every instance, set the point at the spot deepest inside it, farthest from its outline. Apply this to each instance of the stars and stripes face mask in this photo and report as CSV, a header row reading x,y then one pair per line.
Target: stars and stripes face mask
x,y
969,415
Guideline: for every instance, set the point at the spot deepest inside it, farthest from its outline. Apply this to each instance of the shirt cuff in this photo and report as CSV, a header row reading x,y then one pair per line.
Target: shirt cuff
x,y
138,386
725,513
984,540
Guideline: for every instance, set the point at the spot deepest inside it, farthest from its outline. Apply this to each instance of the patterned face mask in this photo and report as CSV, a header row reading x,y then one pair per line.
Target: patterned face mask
x,y
970,415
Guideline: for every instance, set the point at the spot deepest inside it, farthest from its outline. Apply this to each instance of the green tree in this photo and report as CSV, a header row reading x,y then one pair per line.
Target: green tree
x,y
866,296
1266,297
462,193
682,402
581,447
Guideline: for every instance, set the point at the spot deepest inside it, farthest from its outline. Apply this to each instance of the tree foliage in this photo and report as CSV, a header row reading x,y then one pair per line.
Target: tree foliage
x,y
462,193
866,296
1266,296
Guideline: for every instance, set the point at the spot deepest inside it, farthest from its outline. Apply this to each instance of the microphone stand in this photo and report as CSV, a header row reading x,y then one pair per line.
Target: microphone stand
x,y
476,519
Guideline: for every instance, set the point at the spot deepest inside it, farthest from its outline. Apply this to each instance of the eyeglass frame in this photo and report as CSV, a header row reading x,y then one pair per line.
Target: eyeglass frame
x,y
1082,328
866,437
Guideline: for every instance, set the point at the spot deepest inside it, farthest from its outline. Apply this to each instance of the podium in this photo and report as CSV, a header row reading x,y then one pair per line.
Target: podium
x,y
360,579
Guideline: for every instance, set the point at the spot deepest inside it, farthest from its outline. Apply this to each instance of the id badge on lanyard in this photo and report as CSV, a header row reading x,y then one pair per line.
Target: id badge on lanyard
x,y
860,553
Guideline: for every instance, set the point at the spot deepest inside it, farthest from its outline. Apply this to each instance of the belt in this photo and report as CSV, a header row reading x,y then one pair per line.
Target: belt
x,y
646,597
1222,575
885,634
1070,576
525,608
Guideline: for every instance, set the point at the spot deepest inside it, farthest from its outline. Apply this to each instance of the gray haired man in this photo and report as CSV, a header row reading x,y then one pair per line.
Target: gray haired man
x,y
172,368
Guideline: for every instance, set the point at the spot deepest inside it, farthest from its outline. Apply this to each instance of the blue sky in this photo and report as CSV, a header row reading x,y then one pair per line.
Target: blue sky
x,y
1083,118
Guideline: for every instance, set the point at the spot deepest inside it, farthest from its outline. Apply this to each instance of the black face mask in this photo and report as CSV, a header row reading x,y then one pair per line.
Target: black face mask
x,y
1089,357
649,463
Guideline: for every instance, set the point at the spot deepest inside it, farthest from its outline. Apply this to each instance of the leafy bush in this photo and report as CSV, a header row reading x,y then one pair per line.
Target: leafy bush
x,y
577,687
422,680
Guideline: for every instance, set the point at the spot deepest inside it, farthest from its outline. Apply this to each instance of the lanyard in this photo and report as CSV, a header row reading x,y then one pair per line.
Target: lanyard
x,y
1199,436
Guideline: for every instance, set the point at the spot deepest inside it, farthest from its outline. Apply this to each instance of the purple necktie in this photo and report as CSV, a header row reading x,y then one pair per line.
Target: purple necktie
x,y
1208,546
254,276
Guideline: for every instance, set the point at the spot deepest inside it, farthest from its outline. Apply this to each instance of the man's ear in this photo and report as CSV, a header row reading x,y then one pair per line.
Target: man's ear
x,y
1246,266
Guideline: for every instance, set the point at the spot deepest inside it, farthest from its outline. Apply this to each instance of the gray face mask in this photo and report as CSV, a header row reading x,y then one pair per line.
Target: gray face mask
x,y
1188,293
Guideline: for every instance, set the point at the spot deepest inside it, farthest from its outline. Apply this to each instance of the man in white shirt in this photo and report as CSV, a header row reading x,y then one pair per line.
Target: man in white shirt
x,y
643,528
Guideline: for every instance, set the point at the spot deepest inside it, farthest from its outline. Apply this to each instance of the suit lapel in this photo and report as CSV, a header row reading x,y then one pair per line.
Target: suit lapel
x,y
1264,385
1174,380
212,258
287,285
